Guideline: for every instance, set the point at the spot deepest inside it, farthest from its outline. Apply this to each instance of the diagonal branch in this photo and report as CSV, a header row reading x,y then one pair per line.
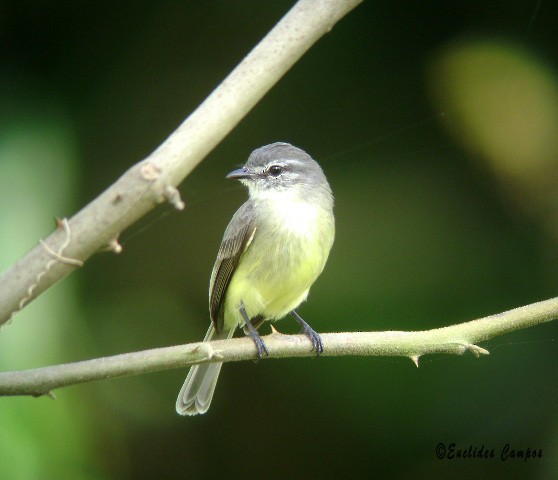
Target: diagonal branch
x,y
154,179
455,339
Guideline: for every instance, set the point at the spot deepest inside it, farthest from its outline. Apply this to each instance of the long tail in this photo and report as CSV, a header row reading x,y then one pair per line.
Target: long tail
x,y
197,391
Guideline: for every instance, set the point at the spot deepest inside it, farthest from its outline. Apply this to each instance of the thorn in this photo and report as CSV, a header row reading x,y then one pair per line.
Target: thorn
x,y
274,331
59,223
476,350
415,360
173,197
48,394
114,246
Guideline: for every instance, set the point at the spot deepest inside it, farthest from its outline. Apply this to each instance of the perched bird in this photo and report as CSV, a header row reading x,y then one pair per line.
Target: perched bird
x,y
274,248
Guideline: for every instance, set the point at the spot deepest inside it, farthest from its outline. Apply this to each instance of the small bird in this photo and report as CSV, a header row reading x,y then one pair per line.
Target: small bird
x,y
274,248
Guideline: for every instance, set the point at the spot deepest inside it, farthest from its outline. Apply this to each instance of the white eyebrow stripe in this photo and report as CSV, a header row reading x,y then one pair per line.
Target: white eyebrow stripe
x,y
293,160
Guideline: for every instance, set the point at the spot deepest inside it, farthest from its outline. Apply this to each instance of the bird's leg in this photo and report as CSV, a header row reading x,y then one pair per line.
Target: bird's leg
x,y
253,333
314,337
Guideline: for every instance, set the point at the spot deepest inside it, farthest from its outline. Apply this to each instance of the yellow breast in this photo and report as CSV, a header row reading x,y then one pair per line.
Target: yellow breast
x,y
288,252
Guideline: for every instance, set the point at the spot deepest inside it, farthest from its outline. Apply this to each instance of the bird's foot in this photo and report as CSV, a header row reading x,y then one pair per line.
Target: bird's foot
x,y
317,344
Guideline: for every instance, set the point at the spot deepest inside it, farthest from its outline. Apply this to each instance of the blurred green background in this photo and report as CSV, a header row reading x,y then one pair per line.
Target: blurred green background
x,y
437,126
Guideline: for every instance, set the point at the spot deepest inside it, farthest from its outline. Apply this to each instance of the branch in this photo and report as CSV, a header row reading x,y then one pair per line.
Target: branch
x,y
455,339
153,180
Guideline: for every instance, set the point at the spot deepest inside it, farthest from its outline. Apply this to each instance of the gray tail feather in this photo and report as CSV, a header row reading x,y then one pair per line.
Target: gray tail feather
x,y
197,391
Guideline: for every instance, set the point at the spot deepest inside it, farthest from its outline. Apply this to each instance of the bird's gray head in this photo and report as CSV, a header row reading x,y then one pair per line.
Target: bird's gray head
x,y
282,168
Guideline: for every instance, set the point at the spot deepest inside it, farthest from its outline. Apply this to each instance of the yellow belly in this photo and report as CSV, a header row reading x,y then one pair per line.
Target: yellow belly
x,y
275,273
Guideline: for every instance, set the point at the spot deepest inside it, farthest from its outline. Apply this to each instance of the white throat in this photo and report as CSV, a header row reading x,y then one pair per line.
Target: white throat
x,y
289,211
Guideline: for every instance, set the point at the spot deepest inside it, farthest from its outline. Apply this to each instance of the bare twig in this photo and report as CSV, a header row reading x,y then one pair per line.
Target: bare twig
x,y
152,181
456,339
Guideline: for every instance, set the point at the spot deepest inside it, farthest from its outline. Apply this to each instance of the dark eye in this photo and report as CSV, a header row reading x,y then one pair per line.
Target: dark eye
x,y
275,170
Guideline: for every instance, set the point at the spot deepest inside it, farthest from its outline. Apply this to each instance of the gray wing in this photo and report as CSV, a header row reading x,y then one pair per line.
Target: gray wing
x,y
238,235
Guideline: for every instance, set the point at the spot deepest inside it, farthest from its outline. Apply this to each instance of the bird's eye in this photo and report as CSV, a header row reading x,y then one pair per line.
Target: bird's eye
x,y
275,170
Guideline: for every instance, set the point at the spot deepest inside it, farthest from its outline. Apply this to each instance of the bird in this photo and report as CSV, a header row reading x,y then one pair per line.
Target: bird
x,y
273,249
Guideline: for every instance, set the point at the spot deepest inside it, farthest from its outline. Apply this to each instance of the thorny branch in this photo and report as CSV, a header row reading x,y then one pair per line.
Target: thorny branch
x,y
98,225
455,339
